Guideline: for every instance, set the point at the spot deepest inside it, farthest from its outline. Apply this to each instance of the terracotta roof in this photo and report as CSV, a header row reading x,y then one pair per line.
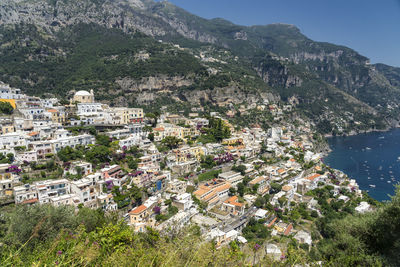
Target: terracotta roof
x,y
281,170
288,229
200,192
223,187
272,222
286,188
312,177
159,129
138,210
256,180
210,196
33,133
233,201
30,201
52,110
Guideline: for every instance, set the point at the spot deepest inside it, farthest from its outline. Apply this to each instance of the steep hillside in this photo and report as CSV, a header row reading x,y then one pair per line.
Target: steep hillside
x,y
58,46
133,69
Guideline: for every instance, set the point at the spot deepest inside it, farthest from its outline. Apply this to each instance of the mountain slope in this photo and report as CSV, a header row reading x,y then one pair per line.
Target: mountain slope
x,y
57,46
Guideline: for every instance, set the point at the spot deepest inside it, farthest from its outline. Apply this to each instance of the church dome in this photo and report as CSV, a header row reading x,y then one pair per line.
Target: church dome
x,y
82,93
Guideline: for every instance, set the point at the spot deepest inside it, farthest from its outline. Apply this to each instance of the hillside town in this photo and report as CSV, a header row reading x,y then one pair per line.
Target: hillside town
x,y
167,171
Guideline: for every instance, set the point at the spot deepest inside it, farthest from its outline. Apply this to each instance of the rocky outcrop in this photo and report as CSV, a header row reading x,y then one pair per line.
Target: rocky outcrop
x,y
51,15
278,76
153,83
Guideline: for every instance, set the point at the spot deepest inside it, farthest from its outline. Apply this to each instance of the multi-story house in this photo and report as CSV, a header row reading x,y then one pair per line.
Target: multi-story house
x,y
51,188
183,201
33,113
89,109
232,177
213,192
42,148
7,92
12,140
85,191
57,115
6,125
262,183
112,171
118,134
25,194
132,140
143,216
72,141
6,184
129,115
28,156
233,206
80,167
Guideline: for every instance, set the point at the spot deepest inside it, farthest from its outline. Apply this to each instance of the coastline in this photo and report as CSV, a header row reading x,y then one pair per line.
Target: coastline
x,y
353,132
375,157
328,150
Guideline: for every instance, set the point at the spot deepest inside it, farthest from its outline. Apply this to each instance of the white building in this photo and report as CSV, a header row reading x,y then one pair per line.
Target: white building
x,y
363,207
121,133
29,156
72,141
183,201
7,92
132,140
89,109
25,193
303,237
260,214
51,188
85,192
68,199
84,167
233,177
11,140
32,113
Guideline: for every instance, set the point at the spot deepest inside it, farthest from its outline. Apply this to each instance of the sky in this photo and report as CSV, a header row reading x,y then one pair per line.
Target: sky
x,y
371,27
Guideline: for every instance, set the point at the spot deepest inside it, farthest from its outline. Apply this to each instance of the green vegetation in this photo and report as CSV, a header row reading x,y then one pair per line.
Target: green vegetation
x,y
208,175
256,230
43,234
133,195
239,168
6,108
99,68
9,158
171,142
207,162
215,132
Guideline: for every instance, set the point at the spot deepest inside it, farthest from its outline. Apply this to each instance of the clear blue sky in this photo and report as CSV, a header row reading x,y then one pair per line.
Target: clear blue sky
x,y
371,27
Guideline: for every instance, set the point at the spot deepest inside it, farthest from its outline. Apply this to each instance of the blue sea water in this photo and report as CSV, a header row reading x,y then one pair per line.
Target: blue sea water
x,y
371,159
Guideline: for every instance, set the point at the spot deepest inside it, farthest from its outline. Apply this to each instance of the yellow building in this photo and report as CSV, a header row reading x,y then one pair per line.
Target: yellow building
x,y
83,97
188,153
57,116
6,184
129,115
233,141
8,128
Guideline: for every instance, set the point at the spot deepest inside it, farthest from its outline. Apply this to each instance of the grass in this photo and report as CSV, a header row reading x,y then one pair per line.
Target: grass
x,y
208,175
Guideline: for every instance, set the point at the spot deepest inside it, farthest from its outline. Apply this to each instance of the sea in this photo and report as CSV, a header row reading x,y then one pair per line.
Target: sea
x,y
373,159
